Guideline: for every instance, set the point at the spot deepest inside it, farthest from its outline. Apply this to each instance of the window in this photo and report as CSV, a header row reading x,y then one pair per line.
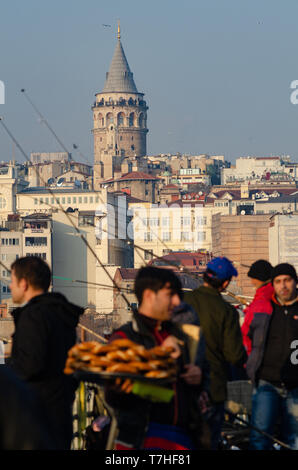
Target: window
x,y
147,237
39,255
35,201
86,220
154,222
80,200
41,200
185,221
69,200
184,236
166,221
166,236
201,236
148,255
63,200
36,241
2,202
74,200
52,200
91,199
85,200
201,220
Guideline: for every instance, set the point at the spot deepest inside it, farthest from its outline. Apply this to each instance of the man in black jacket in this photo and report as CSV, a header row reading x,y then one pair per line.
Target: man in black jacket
x,y
45,329
143,423
272,365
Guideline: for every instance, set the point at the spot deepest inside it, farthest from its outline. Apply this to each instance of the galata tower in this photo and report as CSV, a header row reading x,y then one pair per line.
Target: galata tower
x,y
119,119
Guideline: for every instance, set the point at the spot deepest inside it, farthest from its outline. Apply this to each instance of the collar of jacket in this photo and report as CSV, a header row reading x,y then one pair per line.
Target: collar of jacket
x,y
277,301
209,290
147,325
266,291
17,311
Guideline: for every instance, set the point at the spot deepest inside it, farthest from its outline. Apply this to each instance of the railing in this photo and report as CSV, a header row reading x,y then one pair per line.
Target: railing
x,y
142,104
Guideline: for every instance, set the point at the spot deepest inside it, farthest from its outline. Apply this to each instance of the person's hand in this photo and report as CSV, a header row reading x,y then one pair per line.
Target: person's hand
x,y
193,374
123,385
172,342
204,402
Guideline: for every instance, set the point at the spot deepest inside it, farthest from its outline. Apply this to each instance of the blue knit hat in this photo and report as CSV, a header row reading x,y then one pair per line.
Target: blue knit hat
x,y
222,268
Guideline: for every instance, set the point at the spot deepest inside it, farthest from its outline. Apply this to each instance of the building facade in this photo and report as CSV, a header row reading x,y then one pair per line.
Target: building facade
x,y
243,239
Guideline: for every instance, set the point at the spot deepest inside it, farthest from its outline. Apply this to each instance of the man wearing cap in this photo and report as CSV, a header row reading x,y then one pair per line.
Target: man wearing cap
x,y
260,275
220,324
271,365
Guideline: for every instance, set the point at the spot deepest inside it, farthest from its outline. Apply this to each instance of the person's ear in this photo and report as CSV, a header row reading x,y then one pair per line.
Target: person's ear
x,y
147,294
225,284
24,284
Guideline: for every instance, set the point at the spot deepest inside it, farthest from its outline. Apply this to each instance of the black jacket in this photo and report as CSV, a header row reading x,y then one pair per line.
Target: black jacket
x,y
283,368
45,329
23,425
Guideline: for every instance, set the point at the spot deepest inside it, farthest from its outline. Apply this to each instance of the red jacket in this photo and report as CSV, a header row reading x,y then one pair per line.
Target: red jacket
x,y
260,303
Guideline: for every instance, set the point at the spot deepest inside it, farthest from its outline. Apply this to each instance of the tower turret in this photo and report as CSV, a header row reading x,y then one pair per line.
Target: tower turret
x,y
119,118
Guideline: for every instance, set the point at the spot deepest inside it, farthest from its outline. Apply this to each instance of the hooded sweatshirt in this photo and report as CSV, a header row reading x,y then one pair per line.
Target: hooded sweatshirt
x,y
45,330
261,303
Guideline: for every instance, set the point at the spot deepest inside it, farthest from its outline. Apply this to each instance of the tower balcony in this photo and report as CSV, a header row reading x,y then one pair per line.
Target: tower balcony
x,y
130,102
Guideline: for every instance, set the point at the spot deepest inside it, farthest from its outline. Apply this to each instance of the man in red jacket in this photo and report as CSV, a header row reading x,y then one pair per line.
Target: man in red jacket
x,y
260,274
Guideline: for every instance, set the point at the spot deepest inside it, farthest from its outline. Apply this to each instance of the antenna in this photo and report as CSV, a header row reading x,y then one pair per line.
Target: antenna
x,y
118,34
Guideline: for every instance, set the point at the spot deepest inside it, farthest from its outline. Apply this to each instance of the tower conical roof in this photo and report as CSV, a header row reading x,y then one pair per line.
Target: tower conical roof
x,y
119,78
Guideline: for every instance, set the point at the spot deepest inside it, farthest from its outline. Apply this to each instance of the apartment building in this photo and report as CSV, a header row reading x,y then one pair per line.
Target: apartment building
x,y
27,236
88,247
255,168
40,199
283,239
243,239
177,226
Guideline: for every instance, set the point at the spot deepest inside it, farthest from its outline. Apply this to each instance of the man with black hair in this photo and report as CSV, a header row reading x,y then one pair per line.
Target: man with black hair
x,y
45,330
272,365
143,423
221,328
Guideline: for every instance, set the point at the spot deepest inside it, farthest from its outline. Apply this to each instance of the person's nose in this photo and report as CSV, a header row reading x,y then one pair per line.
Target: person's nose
x,y
176,300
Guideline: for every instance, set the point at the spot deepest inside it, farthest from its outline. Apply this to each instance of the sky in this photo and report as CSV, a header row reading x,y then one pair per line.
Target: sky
x,y
216,73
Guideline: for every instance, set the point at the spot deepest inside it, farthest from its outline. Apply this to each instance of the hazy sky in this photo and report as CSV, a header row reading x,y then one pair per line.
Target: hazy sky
x,y
216,73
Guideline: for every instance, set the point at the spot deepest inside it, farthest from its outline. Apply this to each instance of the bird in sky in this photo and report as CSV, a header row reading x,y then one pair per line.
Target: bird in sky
x,y
106,25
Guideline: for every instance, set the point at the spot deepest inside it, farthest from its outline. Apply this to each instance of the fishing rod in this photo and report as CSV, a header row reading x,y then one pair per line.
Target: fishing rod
x,y
249,425
65,213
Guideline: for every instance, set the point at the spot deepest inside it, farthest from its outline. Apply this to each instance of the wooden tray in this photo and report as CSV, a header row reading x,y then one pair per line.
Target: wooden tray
x,y
102,377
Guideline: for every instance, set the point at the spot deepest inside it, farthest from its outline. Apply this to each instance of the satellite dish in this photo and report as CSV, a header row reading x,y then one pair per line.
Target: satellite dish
x,y
60,181
51,180
242,212
200,193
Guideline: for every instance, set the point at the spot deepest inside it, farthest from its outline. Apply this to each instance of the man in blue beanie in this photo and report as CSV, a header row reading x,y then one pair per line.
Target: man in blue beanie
x,y
220,324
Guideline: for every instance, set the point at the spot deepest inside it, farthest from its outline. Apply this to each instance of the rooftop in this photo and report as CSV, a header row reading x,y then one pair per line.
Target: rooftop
x,y
119,78
44,190
134,175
